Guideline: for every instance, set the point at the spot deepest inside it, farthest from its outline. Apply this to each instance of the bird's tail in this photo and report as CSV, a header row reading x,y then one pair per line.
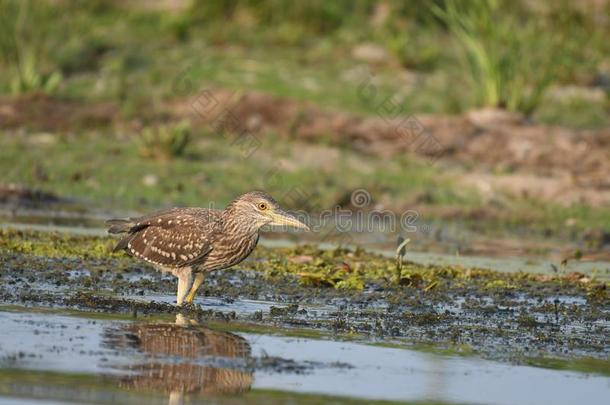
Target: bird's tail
x,y
119,225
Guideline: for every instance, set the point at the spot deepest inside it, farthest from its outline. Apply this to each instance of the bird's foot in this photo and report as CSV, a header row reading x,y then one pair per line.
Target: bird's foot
x,y
189,298
185,320
187,307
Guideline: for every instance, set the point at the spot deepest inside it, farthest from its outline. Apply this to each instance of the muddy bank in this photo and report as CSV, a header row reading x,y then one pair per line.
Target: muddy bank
x,y
18,197
510,316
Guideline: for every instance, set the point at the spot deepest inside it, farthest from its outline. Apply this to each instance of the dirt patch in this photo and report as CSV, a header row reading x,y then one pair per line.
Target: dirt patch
x,y
572,164
562,189
21,196
501,151
41,112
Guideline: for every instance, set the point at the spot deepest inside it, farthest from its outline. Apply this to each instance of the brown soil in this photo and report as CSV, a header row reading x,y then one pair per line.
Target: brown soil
x,y
558,164
15,194
500,151
41,112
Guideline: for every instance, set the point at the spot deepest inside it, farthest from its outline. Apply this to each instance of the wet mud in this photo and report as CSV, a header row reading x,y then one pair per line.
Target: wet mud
x,y
355,295
294,324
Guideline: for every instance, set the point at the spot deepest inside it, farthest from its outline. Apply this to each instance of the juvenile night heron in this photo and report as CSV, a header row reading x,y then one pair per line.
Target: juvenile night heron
x,y
188,242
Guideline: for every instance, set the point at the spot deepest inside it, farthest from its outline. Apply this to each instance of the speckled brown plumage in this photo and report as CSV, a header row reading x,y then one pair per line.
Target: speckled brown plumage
x,y
175,238
183,237
200,239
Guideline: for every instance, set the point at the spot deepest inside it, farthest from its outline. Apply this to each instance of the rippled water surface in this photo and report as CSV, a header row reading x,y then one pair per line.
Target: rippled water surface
x,y
51,356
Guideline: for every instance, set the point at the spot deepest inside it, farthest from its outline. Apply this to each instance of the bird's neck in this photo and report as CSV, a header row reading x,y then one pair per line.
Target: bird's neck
x,y
238,223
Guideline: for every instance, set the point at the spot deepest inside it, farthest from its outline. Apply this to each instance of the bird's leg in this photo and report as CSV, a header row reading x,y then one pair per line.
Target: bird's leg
x,y
196,284
185,279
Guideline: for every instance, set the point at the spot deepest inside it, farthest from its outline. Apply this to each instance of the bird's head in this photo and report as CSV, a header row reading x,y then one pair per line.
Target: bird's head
x,y
259,208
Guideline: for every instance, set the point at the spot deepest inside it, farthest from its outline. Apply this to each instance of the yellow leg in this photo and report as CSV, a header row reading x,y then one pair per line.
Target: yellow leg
x,y
185,280
196,284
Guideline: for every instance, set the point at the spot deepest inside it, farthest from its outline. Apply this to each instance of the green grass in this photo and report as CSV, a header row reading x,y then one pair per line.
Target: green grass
x,y
28,35
135,57
164,142
576,112
509,58
142,60
106,171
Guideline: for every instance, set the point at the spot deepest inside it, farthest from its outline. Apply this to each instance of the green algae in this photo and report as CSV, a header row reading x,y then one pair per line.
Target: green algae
x,y
280,397
583,365
56,244
353,270
341,269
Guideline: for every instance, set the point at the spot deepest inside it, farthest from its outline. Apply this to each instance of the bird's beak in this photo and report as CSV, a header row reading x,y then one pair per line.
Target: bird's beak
x,y
281,218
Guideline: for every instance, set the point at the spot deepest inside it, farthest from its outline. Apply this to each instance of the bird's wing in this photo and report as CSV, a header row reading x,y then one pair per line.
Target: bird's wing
x,y
174,238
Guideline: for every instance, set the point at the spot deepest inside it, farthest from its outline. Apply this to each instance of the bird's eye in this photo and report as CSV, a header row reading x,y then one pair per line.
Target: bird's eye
x,y
262,206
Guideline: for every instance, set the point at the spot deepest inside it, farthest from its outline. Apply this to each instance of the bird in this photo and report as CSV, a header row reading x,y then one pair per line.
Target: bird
x,y
189,242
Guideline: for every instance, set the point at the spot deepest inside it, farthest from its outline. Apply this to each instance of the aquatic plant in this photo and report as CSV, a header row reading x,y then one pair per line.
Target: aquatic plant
x,y
354,270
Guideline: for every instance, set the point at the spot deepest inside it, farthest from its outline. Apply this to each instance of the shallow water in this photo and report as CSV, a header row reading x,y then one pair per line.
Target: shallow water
x,y
48,354
127,360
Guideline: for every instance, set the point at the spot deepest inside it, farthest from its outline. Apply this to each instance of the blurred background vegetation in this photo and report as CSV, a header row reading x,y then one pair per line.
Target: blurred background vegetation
x,y
545,60
473,53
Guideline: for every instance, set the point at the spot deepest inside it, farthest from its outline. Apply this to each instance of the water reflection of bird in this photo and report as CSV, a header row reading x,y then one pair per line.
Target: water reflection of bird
x,y
186,346
187,241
